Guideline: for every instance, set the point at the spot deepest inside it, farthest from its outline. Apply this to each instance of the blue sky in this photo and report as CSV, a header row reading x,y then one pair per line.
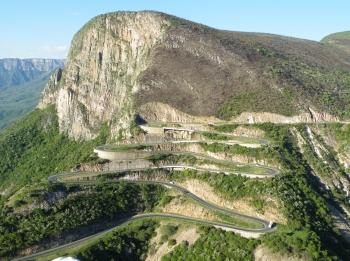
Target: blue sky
x,y
44,28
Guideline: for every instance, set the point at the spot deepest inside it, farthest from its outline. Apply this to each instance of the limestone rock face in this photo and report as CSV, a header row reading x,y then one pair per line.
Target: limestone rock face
x,y
106,57
164,68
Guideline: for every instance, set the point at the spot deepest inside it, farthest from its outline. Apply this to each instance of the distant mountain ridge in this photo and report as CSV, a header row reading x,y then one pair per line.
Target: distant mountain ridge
x,y
14,71
21,83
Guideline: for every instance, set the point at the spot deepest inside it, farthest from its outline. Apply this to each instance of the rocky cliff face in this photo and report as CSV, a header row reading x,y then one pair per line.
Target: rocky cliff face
x,y
167,69
105,60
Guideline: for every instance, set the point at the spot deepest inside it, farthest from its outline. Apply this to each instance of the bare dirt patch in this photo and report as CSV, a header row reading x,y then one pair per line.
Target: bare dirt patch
x,y
185,207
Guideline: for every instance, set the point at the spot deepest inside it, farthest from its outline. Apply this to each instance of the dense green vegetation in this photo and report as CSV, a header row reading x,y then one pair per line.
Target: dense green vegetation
x,y
126,147
168,158
340,132
300,76
33,149
264,152
303,80
215,244
304,205
156,157
230,186
257,101
215,136
225,127
296,242
18,100
328,169
21,83
167,231
127,243
82,207
341,135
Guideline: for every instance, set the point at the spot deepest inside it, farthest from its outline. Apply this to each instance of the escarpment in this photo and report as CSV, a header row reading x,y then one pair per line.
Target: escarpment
x,y
164,68
106,57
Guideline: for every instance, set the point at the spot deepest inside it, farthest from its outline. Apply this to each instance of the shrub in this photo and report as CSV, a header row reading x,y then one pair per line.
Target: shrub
x,y
169,230
172,242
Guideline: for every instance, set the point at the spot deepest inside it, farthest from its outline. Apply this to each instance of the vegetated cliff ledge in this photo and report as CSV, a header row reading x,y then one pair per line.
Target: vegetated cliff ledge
x,y
162,67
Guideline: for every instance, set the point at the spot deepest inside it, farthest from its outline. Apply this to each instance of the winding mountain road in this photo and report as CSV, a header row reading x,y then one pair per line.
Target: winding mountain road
x,y
264,225
170,184
267,172
251,226
235,139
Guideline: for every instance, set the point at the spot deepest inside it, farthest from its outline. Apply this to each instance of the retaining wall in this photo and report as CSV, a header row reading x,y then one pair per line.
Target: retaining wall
x,y
122,155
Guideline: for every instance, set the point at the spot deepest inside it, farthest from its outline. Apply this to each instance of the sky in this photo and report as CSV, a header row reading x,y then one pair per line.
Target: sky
x,y
44,28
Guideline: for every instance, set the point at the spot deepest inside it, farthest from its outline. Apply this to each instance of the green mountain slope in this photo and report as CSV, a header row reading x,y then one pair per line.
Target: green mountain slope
x,y
341,40
21,84
18,100
33,148
157,58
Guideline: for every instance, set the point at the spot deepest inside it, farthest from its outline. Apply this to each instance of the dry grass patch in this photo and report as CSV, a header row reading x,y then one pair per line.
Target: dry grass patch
x,y
182,206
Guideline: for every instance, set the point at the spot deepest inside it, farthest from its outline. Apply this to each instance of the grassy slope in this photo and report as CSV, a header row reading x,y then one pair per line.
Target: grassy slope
x,y
33,149
336,36
18,100
341,40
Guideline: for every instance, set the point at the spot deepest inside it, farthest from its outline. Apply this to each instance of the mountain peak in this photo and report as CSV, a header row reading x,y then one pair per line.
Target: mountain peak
x,y
124,64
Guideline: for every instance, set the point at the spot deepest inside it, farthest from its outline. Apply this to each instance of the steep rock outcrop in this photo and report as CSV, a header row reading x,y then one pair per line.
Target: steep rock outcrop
x,y
106,57
165,68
